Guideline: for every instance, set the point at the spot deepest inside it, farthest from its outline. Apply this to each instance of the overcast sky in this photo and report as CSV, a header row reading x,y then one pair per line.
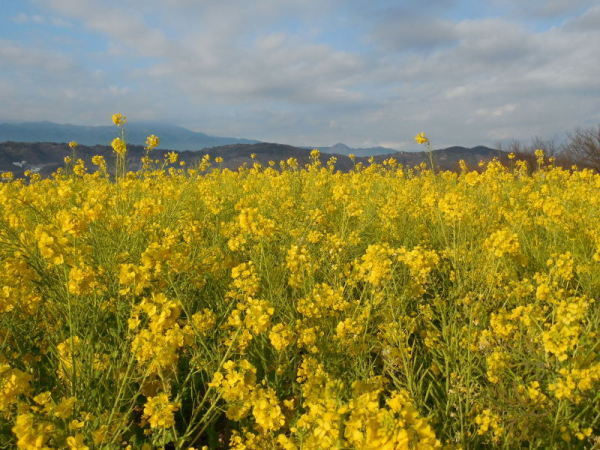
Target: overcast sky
x,y
308,72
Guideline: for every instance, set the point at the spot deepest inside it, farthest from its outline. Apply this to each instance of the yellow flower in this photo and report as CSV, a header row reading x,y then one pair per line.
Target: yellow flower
x,y
203,321
99,435
118,146
76,443
496,362
73,145
98,160
237,386
82,280
266,410
13,383
489,423
280,336
376,265
43,398
68,350
31,435
421,138
502,242
160,412
172,157
152,142
119,119
65,408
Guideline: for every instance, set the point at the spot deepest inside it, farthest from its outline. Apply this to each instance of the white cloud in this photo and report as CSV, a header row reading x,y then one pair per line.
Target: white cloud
x,y
277,70
496,112
545,9
399,32
587,22
37,19
19,57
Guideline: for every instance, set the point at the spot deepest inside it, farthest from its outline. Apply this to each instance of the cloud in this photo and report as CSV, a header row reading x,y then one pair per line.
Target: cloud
x,y
496,112
545,9
212,61
16,57
122,24
587,22
411,25
37,19
315,73
398,32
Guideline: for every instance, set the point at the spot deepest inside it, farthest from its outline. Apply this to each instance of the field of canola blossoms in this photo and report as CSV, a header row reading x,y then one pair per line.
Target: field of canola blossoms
x,y
384,308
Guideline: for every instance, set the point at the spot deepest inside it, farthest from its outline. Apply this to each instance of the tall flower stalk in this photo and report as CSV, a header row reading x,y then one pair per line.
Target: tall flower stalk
x,y
421,138
152,142
70,160
120,146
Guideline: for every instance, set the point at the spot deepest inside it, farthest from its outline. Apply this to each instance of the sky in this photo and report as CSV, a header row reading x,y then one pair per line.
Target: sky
x,y
308,72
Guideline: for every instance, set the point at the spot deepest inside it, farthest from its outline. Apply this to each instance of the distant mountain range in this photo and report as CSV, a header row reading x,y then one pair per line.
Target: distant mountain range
x,y
343,149
171,137
46,157
41,146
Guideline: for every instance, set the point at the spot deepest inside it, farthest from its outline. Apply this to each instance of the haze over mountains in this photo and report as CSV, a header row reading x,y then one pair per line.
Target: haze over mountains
x,y
46,157
171,137
343,149
41,147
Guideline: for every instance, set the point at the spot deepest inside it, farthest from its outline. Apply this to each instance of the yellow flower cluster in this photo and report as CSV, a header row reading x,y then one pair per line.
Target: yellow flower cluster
x,y
281,336
502,242
152,142
119,119
323,300
160,412
156,345
295,306
252,222
299,265
236,386
13,383
31,435
376,264
489,422
119,147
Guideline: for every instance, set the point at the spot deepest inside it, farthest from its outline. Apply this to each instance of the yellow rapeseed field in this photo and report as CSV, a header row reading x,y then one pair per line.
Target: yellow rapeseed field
x,y
293,307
